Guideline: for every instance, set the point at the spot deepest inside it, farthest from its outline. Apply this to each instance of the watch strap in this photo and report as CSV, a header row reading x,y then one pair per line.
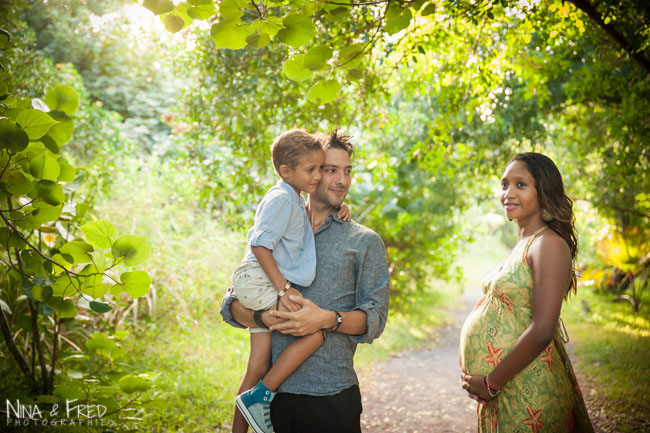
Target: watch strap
x,y
339,320
257,316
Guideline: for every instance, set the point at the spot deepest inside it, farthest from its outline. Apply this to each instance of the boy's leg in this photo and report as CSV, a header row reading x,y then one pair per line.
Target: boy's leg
x,y
290,359
259,362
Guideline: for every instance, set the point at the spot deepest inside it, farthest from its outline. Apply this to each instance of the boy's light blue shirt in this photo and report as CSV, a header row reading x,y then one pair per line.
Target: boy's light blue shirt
x,y
282,226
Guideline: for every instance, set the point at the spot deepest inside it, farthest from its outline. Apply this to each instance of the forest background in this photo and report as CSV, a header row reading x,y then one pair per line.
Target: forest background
x,y
154,121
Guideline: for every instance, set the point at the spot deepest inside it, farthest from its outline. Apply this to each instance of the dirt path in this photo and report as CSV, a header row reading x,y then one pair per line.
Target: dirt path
x,y
419,391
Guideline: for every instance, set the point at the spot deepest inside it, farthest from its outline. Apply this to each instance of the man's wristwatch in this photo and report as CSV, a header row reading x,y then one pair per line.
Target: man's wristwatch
x,y
339,320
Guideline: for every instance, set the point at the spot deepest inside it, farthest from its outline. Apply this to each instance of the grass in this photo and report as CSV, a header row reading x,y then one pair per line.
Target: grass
x,y
612,348
198,361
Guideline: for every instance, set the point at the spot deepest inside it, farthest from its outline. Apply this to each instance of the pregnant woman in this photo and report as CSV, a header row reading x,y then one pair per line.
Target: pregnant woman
x,y
512,352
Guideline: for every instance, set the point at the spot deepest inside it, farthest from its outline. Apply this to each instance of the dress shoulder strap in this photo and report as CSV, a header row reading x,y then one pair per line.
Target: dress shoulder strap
x,y
530,241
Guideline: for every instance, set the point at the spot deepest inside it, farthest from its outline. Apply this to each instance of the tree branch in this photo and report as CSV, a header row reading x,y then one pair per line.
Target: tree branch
x,y
36,250
612,32
15,352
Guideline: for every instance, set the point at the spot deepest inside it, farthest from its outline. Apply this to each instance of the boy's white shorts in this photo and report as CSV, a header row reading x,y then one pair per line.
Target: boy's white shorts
x,y
254,289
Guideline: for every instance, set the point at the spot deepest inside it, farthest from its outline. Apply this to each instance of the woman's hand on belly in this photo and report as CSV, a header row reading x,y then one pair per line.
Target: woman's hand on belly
x,y
475,387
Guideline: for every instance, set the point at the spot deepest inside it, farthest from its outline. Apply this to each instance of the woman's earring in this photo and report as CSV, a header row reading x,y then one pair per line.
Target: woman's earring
x,y
546,215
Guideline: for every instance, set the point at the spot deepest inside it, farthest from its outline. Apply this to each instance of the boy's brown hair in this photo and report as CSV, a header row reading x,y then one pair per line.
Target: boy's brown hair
x,y
291,146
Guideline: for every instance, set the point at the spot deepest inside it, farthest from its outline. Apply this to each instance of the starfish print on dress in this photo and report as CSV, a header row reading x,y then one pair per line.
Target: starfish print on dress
x,y
494,356
504,298
534,420
547,357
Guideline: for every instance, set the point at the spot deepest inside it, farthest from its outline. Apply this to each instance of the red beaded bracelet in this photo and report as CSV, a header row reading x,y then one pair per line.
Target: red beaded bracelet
x,y
487,381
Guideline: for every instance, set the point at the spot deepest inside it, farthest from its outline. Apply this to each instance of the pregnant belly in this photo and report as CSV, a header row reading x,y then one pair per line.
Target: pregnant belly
x,y
487,336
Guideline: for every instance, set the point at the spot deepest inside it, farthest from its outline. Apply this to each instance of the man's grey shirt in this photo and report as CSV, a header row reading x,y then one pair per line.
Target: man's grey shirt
x,y
351,274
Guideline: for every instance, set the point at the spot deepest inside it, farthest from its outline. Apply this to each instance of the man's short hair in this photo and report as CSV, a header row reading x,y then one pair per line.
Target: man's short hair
x,y
290,147
337,140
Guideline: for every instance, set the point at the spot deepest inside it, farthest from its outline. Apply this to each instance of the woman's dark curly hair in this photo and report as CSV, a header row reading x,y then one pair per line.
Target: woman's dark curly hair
x,y
551,196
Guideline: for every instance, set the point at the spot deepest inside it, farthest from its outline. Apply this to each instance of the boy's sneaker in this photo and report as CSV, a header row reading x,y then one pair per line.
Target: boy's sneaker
x,y
255,405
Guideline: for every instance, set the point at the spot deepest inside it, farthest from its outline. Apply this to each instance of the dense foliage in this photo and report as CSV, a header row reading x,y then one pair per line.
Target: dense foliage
x,y
97,107
62,268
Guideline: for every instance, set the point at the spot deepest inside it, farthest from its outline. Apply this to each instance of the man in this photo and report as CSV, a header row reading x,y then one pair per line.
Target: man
x,y
348,298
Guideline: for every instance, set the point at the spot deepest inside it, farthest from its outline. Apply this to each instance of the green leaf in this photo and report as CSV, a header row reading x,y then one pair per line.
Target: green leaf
x,y
41,293
5,37
134,249
158,6
44,309
258,40
173,23
232,9
202,12
50,192
100,341
100,307
62,286
99,233
35,123
317,57
350,57
397,18
130,384
18,183
271,26
68,392
65,307
12,136
324,92
117,289
137,283
429,9
45,213
62,98
61,133
355,74
230,33
298,30
78,250
5,307
294,70
96,290
68,172
44,167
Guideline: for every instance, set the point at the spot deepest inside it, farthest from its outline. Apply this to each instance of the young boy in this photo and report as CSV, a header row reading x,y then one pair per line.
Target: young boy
x,y
281,253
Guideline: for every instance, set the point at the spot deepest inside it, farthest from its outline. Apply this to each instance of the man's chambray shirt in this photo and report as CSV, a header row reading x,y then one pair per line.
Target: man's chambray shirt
x,y
282,226
351,275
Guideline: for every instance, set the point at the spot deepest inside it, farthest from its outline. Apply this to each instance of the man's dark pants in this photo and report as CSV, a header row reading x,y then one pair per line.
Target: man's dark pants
x,y
297,413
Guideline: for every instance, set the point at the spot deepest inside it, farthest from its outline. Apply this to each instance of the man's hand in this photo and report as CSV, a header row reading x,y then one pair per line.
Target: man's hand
x,y
287,303
244,316
306,321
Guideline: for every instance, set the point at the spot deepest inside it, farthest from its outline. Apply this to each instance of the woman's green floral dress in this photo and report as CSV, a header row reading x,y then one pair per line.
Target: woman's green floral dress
x,y
544,396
